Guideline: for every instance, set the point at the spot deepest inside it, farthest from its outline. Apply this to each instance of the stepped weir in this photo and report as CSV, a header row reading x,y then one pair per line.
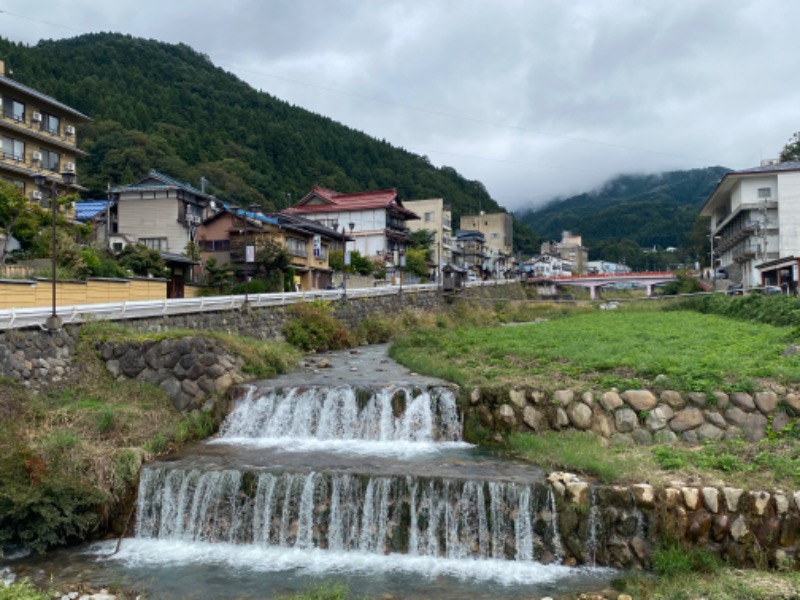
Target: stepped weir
x,y
364,480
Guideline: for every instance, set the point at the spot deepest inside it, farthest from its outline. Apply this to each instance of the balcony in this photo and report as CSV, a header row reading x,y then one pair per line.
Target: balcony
x,y
31,130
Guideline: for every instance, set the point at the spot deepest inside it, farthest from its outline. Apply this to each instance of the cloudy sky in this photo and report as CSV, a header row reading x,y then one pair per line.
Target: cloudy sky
x,y
535,98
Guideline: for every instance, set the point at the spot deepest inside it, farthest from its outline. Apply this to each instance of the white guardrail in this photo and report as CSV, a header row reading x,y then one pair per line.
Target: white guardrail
x,y
17,318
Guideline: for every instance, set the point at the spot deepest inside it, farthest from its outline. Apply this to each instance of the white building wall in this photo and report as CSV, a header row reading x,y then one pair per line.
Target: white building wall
x,y
788,217
152,218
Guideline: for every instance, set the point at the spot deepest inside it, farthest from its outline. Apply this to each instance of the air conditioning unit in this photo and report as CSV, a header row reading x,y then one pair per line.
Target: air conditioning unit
x,y
69,167
36,156
36,195
36,116
69,130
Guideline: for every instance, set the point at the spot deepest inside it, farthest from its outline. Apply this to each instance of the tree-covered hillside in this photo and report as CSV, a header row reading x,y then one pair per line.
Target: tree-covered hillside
x,y
165,106
650,210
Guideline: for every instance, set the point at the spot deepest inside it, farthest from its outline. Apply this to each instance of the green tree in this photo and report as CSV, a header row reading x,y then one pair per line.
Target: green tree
x,y
422,238
360,264
416,262
18,218
791,151
142,261
271,262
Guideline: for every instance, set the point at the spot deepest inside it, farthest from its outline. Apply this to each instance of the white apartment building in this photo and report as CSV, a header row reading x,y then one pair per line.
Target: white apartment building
x,y
755,224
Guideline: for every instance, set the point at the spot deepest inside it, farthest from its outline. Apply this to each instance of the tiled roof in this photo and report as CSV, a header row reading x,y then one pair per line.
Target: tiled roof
x,y
337,202
155,181
301,223
86,210
20,87
791,165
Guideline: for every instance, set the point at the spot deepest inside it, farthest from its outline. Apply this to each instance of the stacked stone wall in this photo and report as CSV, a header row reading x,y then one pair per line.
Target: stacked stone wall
x,y
639,416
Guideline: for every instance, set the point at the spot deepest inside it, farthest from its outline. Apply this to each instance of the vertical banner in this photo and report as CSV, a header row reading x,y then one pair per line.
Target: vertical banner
x,y
250,254
317,246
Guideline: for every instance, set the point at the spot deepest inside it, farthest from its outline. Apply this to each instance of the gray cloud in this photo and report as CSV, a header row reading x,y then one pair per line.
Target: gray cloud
x,y
535,98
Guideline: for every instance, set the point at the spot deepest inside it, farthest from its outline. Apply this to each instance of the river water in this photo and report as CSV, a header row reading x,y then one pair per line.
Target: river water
x,y
351,470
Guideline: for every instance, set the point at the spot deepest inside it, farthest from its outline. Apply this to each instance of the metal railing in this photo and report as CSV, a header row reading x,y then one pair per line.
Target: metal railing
x,y
17,318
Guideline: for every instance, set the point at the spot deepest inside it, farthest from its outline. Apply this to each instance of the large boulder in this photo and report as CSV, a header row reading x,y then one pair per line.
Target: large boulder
x,y
640,400
686,419
580,415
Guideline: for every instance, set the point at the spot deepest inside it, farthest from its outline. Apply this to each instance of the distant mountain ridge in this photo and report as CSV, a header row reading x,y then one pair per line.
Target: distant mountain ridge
x,y
652,210
166,106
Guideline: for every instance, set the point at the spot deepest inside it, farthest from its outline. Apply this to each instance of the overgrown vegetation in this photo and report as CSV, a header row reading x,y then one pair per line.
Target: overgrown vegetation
x,y
70,456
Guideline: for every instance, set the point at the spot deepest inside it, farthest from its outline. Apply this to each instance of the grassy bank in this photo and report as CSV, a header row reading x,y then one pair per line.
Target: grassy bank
x,y
724,347
70,455
685,351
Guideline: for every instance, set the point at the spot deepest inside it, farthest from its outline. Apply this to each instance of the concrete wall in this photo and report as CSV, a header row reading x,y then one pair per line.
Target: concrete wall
x,y
28,293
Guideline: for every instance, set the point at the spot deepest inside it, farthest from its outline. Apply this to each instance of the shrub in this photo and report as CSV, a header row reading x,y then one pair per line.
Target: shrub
x,y
376,329
22,590
40,509
315,328
674,560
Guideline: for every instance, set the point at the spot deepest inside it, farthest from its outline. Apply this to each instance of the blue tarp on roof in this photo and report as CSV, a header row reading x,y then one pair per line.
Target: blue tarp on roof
x,y
86,210
249,214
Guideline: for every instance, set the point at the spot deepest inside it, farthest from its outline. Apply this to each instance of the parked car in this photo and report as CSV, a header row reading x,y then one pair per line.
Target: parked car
x,y
768,290
735,289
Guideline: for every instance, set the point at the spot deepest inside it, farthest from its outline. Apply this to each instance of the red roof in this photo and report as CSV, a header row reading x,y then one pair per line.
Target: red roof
x,y
332,201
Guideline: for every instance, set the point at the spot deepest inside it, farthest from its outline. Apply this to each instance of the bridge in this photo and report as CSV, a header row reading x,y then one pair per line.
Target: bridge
x,y
647,279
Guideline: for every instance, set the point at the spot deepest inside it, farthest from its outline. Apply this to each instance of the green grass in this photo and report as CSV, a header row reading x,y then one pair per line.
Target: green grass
x,y
680,350
710,581
577,451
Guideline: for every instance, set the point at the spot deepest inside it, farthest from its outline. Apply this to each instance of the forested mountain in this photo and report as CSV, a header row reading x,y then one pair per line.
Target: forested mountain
x,y
166,106
650,210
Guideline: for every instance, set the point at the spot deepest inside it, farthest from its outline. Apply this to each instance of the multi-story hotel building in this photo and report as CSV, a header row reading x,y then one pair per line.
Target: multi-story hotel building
x,y
38,135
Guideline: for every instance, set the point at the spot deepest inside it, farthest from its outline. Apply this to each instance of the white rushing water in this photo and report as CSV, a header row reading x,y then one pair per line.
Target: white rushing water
x,y
143,552
282,515
341,512
393,420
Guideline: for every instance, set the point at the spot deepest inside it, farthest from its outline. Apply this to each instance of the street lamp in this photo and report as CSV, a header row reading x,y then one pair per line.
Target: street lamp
x,y
400,265
344,263
53,322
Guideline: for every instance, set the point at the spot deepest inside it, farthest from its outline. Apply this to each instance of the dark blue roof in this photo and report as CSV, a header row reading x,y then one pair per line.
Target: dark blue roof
x,y
158,181
86,210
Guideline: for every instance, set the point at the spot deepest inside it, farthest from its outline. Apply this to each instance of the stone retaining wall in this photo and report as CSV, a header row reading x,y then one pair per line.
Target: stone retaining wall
x,y
746,528
38,357
192,371
638,416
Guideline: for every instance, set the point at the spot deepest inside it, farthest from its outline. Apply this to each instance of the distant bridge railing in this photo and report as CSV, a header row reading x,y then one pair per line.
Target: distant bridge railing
x,y
17,318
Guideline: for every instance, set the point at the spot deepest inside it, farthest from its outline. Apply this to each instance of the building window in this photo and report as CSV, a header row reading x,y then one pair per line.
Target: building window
x,y
159,244
216,245
51,124
765,192
13,109
13,149
429,216
495,236
296,247
50,160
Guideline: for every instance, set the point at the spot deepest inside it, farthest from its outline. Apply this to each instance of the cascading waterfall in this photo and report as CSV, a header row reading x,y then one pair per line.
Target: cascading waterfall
x,y
422,517
594,529
387,414
256,487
